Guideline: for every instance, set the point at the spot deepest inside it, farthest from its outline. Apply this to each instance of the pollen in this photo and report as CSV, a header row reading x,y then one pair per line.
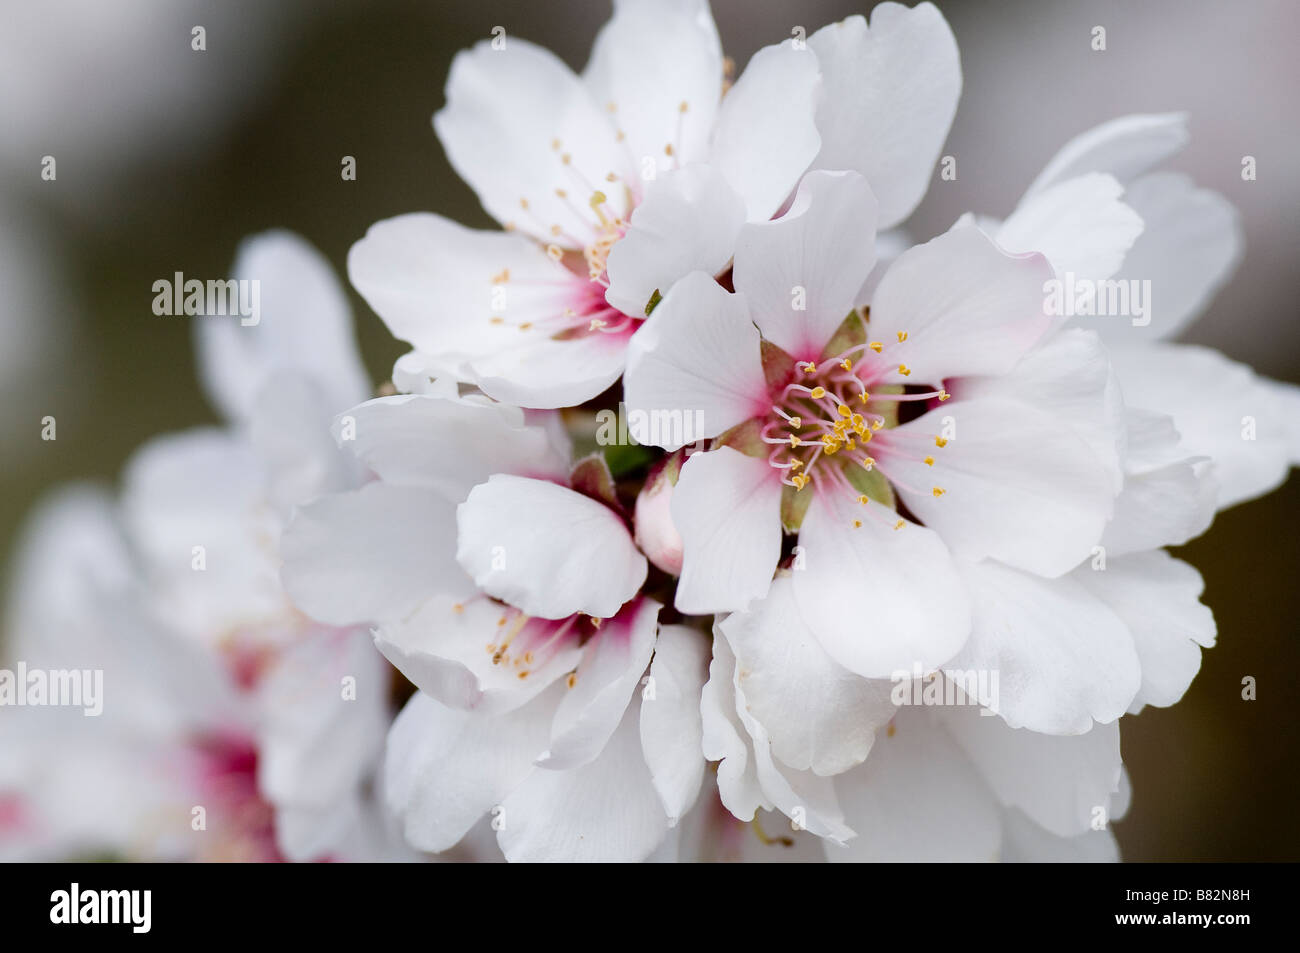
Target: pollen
x,y
940,442
795,441
818,393
899,524
573,679
877,346
943,395
683,107
864,397
857,524
864,499
561,194
846,364
809,367
844,411
938,491
902,336
555,252
903,369
796,422
458,608
566,158
668,149
800,480
929,461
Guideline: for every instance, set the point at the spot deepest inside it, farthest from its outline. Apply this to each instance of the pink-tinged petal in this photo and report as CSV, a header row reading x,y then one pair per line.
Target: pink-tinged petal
x,y
878,599
889,96
659,100
727,507
479,654
546,549
917,799
444,770
671,727
1081,225
965,306
1124,147
518,126
766,134
303,323
447,444
1061,657
1010,483
611,666
1158,597
697,360
1058,782
801,273
604,811
818,715
374,554
688,222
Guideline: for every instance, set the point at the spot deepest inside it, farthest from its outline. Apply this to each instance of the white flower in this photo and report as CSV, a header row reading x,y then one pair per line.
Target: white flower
x,y
1190,242
940,784
614,184
219,694
511,600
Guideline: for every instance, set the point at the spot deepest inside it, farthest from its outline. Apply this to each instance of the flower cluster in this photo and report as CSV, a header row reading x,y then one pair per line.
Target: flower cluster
x,y
877,574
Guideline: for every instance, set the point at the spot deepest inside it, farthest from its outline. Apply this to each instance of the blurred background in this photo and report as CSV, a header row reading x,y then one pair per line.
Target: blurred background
x,y
166,157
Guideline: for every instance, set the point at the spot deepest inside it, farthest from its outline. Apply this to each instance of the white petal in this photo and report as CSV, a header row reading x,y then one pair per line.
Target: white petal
x,y
1069,376
688,222
671,726
727,507
456,653
605,811
1124,147
445,769
374,554
890,94
1221,409
512,115
818,715
291,438
807,799
446,444
725,739
801,273
765,135
612,664
303,323
546,549
917,799
1024,842
550,372
1061,657
1190,246
1017,486
698,356
965,306
1056,781
1081,225
316,745
908,605
1168,495
630,69
1158,597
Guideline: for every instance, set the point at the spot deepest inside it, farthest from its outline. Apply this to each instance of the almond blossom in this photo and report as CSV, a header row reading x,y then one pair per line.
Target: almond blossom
x,y
613,184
